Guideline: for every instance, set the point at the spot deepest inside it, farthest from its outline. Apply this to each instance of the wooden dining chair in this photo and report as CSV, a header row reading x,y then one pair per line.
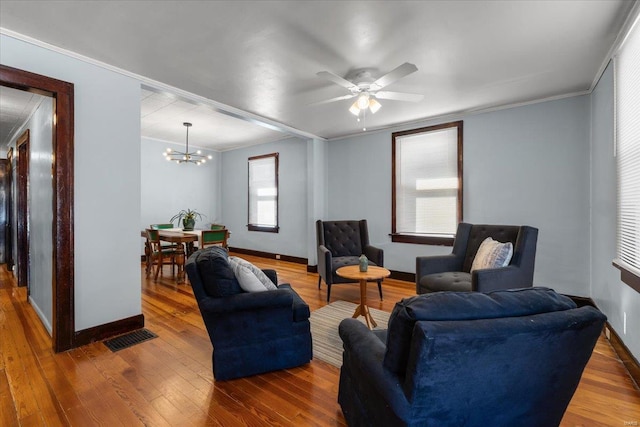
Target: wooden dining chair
x,y
215,237
165,245
161,226
158,254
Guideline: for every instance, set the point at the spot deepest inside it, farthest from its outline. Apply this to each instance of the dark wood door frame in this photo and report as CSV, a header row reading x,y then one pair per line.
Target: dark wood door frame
x,y
63,322
9,206
22,210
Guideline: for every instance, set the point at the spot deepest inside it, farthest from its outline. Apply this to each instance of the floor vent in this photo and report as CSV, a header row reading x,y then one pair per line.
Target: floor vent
x,y
127,340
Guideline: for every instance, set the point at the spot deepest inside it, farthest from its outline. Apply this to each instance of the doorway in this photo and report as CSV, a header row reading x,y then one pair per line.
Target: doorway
x,y
63,323
22,211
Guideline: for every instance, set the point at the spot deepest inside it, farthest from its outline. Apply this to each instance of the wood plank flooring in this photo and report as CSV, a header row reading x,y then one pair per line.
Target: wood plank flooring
x,y
168,381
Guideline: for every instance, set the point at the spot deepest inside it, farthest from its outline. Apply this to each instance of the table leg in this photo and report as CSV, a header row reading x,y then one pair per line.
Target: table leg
x,y
180,262
362,309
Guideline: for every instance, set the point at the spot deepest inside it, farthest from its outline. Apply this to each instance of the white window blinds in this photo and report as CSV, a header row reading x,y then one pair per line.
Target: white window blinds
x,y
263,193
627,66
427,181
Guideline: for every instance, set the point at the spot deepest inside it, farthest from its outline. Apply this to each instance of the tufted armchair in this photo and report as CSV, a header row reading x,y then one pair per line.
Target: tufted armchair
x,y
341,243
453,272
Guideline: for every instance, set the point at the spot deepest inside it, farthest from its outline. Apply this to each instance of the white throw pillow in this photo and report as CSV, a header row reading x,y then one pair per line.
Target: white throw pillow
x,y
492,254
250,277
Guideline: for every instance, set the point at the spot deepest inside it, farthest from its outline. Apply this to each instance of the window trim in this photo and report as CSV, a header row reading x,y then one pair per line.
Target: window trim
x,y
425,239
263,228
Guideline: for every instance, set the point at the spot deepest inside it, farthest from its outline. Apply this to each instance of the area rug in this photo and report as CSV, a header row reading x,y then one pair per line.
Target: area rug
x,y
327,345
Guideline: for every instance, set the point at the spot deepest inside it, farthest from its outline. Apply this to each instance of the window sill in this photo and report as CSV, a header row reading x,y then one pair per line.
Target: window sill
x,y
628,274
263,228
422,239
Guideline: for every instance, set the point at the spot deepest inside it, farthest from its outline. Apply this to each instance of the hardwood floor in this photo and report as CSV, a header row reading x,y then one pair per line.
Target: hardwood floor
x,y
168,381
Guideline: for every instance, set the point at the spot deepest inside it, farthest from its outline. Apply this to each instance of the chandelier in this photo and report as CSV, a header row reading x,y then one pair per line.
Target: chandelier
x,y
186,157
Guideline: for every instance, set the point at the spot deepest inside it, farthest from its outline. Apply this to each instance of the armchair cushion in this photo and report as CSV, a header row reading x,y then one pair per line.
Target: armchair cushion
x,y
218,279
445,306
456,281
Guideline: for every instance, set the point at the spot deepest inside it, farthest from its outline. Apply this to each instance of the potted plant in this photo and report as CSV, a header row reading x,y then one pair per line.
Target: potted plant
x,y
188,218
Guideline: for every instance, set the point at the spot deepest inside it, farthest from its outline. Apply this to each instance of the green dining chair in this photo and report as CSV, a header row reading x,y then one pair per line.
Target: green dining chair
x,y
215,237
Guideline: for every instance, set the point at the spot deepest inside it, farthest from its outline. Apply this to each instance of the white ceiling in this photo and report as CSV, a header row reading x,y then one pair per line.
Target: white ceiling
x,y
262,57
16,107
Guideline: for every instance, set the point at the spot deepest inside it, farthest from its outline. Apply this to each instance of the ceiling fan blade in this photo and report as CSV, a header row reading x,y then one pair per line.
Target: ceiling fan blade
x,y
336,79
399,96
339,98
396,74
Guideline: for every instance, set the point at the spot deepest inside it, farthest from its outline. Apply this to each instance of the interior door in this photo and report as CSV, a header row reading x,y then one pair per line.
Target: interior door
x,y
22,211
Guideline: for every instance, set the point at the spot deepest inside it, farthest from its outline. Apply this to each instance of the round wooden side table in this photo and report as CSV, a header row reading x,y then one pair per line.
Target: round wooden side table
x,y
353,272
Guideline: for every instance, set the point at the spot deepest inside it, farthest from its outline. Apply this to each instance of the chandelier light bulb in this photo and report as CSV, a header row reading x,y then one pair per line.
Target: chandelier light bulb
x,y
185,156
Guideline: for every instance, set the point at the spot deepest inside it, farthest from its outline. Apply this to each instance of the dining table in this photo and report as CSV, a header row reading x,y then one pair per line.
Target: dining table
x,y
181,239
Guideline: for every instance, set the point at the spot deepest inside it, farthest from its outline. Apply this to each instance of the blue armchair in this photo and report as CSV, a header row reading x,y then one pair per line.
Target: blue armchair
x,y
453,272
251,333
509,357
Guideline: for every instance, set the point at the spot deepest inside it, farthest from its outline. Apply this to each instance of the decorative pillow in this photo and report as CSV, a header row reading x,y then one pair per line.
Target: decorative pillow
x,y
492,254
250,277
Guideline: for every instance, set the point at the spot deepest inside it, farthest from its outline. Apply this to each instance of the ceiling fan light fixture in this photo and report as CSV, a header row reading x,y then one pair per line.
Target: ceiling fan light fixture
x,y
363,101
354,109
374,105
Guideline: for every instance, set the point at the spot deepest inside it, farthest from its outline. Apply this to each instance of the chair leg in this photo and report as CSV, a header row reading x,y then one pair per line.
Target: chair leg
x,y
380,288
319,281
158,267
328,291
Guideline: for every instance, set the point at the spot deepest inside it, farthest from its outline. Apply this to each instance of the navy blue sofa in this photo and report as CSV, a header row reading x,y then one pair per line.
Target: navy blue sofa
x,y
504,358
251,333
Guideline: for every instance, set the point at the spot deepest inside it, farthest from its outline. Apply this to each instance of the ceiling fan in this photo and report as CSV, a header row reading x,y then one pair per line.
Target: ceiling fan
x,y
367,90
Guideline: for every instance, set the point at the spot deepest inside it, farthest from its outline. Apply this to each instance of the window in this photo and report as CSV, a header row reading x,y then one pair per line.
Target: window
x,y
263,193
427,184
627,113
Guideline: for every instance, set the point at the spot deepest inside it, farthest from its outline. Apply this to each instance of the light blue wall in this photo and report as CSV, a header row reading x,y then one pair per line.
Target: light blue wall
x,y
40,209
292,198
611,295
106,181
167,188
525,165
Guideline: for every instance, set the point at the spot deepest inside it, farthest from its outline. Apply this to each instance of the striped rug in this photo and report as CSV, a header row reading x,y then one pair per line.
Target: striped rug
x,y
327,345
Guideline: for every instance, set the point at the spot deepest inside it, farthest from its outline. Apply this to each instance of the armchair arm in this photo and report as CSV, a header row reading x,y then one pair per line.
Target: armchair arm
x,y
324,264
374,254
492,279
272,275
246,301
364,353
